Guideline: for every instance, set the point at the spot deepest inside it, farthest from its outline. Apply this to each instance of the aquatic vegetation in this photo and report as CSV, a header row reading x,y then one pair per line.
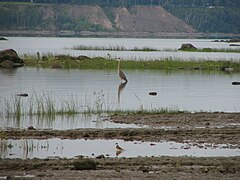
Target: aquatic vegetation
x,y
97,104
150,49
69,62
225,50
48,106
146,111
100,48
112,48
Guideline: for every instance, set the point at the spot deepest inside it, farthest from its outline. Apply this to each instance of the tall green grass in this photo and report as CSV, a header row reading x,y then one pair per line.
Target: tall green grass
x,y
48,106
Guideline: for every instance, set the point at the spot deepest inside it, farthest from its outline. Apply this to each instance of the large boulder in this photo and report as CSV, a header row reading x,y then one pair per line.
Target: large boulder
x,y
187,47
9,59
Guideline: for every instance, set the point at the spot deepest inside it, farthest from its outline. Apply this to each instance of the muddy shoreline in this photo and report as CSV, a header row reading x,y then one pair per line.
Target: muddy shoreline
x,y
126,168
214,128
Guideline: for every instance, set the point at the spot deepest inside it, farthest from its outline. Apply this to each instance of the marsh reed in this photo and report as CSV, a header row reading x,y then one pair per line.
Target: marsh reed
x,y
48,106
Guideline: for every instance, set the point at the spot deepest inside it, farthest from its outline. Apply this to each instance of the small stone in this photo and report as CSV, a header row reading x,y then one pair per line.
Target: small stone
x,y
100,156
152,93
31,128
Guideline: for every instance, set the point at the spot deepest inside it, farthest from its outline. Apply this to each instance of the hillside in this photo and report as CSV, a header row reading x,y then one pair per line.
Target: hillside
x,y
170,19
91,18
148,19
213,19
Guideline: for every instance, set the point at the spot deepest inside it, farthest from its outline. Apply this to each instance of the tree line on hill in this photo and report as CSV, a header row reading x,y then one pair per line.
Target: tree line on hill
x,y
169,3
209,16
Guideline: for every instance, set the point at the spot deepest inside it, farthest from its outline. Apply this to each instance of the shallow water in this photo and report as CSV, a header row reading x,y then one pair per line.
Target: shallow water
x,y
54,45
183,90
102,90
62,123
65,148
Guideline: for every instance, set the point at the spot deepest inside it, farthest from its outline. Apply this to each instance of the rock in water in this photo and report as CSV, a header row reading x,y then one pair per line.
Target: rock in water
x,y
235,83
186,47
10,59
152,93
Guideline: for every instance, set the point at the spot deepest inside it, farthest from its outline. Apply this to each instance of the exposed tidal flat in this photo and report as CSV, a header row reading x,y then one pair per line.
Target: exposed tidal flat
x,y
76,102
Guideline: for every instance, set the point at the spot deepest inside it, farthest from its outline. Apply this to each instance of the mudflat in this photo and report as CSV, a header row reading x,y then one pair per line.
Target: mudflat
x,y
213,128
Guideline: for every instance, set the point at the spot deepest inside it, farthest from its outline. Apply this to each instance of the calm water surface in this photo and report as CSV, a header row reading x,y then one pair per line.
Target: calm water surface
x,y
102,90
66,148
62,122
45,45
191,90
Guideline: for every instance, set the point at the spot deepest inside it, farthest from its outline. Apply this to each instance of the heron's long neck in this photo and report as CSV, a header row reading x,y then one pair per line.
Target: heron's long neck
x,y
118,66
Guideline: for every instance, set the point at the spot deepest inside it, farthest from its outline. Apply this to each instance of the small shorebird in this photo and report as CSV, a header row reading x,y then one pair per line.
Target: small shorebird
x,y
118,148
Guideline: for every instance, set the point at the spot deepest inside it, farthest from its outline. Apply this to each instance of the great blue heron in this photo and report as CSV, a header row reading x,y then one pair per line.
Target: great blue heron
x,y
120,73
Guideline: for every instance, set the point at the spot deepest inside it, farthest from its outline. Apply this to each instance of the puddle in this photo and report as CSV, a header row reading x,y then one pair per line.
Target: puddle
x,y
63,123
67,148
28,176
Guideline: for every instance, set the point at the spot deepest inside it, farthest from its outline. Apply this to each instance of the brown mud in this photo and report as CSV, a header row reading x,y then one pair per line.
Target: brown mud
x,y
215,128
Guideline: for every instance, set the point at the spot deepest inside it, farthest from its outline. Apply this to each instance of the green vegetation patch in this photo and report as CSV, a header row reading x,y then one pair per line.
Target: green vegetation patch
x,y
83,62
226,50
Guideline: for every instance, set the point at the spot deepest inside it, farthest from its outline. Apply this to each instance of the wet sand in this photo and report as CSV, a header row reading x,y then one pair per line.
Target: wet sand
x,y
215,128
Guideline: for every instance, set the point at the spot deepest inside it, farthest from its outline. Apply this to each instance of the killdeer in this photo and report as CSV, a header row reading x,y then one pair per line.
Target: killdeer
x,y
118,148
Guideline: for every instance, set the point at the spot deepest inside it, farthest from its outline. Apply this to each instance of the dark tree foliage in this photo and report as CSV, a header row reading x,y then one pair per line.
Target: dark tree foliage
x,y
168,3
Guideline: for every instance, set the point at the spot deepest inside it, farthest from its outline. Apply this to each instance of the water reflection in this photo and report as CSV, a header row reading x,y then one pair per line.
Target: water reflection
x,y
118,153
62,122
66,148
120,89
7,71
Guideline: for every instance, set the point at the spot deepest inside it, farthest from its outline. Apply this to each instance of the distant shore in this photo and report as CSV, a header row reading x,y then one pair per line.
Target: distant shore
x,y
118,34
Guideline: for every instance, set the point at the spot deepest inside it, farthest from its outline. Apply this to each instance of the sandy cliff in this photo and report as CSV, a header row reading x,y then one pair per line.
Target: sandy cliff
x,y
149,19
